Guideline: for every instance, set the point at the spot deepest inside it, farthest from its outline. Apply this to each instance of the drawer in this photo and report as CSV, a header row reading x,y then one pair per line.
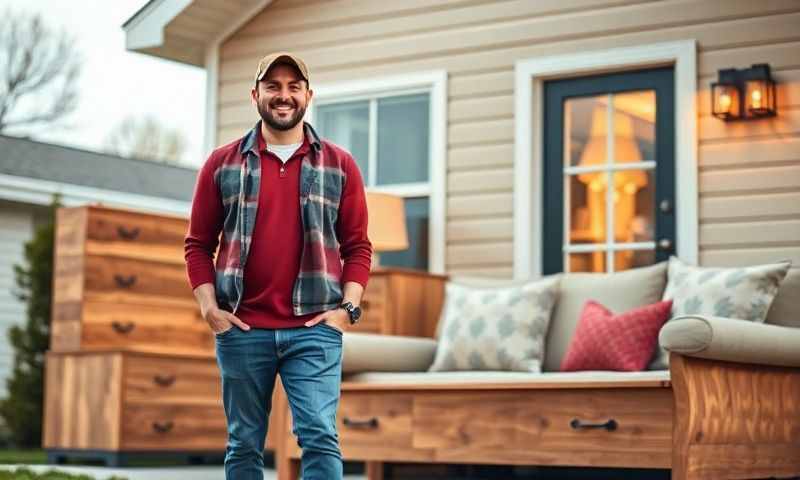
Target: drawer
x,y
173,427
159,380
135,235
115,279
374,423
121,325
548,426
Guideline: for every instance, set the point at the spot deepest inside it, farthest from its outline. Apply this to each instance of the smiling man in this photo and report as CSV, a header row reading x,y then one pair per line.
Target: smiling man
x,y
292,265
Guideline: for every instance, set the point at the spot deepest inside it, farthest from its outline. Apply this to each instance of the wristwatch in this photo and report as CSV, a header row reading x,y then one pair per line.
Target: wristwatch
x,y
353,311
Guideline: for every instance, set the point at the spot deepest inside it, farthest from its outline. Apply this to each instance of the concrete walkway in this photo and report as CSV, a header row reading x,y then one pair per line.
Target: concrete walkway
x,y
151,473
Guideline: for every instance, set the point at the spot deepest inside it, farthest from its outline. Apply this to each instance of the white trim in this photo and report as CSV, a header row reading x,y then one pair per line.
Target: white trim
x,y
40,192
529,76
602,247
419,189
436,83
140,34
212,72
614,167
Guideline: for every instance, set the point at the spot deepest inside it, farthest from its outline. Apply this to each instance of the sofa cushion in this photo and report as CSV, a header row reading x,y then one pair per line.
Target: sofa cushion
x,y
744,293
620,292
623,342
548,379
386,353
785,309
501,328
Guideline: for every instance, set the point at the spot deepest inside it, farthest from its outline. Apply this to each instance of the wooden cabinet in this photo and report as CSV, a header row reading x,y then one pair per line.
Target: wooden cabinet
x,y
401,301
132,400
120,281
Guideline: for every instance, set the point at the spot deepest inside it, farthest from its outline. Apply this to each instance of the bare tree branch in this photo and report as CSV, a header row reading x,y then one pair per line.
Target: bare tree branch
x,y
147,139
39,70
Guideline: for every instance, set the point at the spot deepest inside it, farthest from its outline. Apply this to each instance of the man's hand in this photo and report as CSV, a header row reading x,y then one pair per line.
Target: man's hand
x,y
221,321
337,318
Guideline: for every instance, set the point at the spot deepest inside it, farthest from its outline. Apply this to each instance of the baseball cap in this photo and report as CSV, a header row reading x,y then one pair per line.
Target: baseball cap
x,y
281,57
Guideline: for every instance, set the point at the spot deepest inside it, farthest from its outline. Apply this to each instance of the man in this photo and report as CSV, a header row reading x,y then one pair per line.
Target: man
x,y
291,208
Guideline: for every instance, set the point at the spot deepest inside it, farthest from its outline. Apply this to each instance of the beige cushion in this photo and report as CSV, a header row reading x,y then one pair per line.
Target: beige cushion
x,y
428,378
386,353
732,340
495,328
619,292
785,309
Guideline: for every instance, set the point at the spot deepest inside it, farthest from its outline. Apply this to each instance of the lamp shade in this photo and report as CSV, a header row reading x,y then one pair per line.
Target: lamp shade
x,y
387,222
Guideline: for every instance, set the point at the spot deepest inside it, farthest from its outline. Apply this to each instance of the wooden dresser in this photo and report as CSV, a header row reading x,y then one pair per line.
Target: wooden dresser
x,y
131,366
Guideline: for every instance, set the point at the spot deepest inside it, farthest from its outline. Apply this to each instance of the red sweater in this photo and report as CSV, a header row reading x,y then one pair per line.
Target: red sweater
x,y
274,258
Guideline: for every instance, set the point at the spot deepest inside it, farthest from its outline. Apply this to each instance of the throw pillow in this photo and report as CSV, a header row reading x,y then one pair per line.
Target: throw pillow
x,y
624,342
743,293
495,328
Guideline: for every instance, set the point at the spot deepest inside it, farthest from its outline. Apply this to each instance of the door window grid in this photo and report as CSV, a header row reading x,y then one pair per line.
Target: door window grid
x,y
610,247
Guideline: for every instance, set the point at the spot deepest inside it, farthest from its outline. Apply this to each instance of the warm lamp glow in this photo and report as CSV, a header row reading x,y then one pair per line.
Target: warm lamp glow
x,y
387,222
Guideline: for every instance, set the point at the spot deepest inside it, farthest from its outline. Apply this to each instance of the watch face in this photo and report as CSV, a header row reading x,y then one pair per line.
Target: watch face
x,y
356,314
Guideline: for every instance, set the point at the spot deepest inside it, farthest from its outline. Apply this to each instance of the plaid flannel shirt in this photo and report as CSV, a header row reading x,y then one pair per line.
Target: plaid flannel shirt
x,y
317,287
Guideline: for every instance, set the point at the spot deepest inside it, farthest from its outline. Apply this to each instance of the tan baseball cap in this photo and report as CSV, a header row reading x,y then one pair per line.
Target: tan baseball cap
x,y
281,57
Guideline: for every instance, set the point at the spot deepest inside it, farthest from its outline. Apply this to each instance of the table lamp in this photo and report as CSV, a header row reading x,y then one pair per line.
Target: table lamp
x,y
387,224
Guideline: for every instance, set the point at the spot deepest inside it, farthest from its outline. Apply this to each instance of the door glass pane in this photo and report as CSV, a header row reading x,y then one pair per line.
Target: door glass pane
x,y
585,141
634,208
403,139
634,126
347,125
416,256
587,262
587,207
627,259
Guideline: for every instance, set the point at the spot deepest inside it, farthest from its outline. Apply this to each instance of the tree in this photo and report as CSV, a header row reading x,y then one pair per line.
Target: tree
x,y
146,138
22,410
39,68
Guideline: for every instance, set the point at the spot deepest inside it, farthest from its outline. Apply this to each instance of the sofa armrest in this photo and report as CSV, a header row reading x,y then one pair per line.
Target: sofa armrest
x,y
731,340
372,352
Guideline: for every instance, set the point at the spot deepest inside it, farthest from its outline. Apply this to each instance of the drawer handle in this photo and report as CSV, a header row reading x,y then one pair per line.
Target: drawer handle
x,y
125,282
123,328
164,380
369,423
128,234
610,425
163,427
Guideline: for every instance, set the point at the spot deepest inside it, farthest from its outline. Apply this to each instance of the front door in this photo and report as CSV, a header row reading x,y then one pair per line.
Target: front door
x,y
609,171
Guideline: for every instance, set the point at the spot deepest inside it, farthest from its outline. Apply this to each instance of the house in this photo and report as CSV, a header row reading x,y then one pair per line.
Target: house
x,y
31,172
505,123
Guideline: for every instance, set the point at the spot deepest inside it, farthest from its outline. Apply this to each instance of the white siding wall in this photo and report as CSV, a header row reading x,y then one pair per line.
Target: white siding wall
x,y
16,227
749,178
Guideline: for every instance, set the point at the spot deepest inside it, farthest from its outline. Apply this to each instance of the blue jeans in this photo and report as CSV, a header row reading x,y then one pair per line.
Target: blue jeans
x,y
309,361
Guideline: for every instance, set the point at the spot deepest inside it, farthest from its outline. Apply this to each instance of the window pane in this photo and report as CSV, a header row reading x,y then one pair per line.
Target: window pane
x,y
347,125
634,210
634,126
587,262
403,139
587,207
627,259
416,256
585,131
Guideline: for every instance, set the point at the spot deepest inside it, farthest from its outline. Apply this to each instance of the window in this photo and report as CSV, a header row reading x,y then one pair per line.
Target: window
x,y
396,137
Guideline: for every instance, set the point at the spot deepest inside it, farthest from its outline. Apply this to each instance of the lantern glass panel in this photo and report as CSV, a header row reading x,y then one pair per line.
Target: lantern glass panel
x,y
725,100
759,97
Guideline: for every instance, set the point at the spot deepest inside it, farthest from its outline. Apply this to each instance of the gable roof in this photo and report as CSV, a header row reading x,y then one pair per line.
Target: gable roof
x,y
182,30
28,159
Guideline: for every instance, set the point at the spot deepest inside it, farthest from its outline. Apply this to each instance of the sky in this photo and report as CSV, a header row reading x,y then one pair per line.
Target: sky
x,y
115,83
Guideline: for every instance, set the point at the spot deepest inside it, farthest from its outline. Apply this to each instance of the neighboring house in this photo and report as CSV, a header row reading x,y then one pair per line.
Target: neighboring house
x,y
31,172
495,119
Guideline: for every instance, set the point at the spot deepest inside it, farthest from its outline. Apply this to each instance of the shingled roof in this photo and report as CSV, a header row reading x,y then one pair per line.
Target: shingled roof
x,y
23,157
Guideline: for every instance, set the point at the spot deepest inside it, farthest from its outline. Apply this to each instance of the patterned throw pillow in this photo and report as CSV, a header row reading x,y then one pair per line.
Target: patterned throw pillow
x,y
624,342
744,293
495,328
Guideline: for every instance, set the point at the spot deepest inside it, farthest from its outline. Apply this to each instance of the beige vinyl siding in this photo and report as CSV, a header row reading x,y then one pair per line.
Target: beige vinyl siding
x,y
749,172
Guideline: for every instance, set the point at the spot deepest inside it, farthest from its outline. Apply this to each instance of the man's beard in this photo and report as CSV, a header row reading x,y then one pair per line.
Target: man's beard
x,y
278,123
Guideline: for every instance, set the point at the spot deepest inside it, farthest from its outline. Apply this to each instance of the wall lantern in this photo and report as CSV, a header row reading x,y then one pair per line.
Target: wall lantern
x,y
744,94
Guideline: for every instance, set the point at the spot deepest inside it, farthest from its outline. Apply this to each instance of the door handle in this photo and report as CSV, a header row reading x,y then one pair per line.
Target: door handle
x,y
665,244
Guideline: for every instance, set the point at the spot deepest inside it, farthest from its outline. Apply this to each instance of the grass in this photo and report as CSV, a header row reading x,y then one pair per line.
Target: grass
x,y
28,457
27,474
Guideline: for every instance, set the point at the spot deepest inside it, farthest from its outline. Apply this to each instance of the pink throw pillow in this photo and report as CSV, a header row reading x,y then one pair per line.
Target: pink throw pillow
x,y
624,342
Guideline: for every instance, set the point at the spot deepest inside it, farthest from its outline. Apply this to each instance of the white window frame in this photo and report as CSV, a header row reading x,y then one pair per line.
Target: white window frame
x,y
435,83
530,75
